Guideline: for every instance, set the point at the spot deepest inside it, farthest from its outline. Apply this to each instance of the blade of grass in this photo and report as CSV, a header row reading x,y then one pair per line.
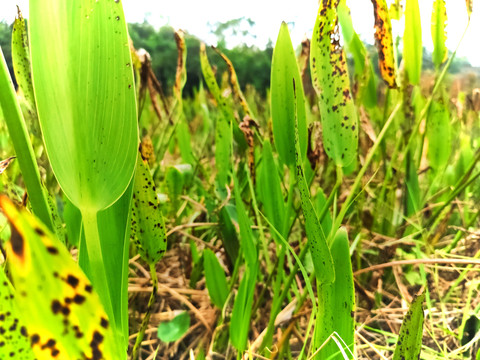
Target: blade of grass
x,y
22,145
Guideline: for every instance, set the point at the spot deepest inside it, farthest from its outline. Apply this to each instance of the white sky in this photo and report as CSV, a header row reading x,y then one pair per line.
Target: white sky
x,y
194,16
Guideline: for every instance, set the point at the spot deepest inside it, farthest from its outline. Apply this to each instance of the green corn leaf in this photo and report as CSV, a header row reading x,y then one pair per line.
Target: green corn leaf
x,y
364,74
116,243
336,302
228,233
269,188
409,343
439,35
322,259
84,87
215,279
174,329
65,316
413,196
242,309
344,304
148,226
247,240
14,342
438,135
319,202
284,69
412,42
223,133
328,67
384,42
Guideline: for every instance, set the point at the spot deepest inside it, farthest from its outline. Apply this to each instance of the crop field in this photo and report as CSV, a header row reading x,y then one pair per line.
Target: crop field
x,y
333,215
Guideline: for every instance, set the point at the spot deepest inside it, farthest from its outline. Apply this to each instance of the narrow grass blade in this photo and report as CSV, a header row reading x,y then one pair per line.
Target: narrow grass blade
x,y
14,341
247,240
412,42
215,279
269,188
148,226
22,145
328,66
65,317
92,117
409,343
439,34
384,42
242,309
439,135
322,259
284,69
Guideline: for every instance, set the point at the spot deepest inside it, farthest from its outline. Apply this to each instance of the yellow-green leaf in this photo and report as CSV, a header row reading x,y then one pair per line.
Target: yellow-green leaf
x,y
62,312
469,4
439,35
438,135
14,342
384,41
412,42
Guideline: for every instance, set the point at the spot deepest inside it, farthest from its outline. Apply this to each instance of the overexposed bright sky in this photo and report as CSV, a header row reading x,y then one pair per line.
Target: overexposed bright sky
x,y
194,16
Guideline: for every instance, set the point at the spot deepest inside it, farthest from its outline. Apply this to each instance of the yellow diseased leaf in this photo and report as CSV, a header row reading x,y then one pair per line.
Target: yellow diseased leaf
x,y
384,41
62,313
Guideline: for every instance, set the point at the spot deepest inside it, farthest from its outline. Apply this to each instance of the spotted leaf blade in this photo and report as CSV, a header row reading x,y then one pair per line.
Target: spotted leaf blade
x,y
322,259
384,42
439,35
412,42
328,65
14,342
148,226
62,312
409,343
21,63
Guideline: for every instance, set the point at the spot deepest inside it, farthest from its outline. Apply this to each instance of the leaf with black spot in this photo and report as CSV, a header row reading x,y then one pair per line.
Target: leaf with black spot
x,y
62,312
409,343
384,42
13,333
328,65
148,226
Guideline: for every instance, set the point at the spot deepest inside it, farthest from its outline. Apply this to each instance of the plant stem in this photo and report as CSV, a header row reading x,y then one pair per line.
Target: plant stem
x,y
146,319
364,168
95,266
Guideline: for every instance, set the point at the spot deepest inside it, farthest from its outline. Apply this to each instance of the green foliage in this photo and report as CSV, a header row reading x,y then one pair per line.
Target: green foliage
x,y
174,329
215,279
